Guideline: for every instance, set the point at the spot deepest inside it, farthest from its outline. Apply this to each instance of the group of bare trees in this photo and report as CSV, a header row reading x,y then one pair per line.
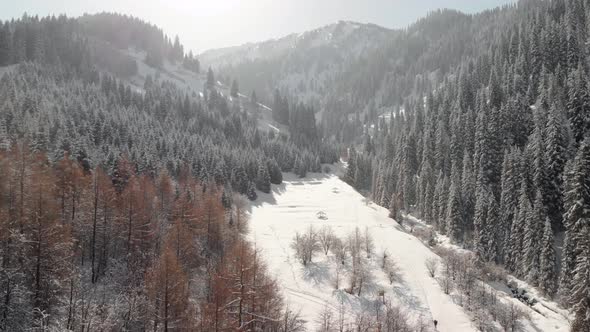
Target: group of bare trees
x,y
83,250
384,317
352,255
463,276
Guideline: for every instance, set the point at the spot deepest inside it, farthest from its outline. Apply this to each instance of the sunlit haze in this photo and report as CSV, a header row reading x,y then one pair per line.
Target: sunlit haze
x,y
204,24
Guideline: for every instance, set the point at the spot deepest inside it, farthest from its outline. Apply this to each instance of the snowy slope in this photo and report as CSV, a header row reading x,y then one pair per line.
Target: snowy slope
x,y
304,65
351,37
193,84
294,205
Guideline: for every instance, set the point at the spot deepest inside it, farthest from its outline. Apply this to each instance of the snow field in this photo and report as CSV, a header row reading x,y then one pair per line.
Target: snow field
x,y
293,207
296,204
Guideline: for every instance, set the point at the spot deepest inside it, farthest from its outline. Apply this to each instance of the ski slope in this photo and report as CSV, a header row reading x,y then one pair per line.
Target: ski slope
x,y
294,205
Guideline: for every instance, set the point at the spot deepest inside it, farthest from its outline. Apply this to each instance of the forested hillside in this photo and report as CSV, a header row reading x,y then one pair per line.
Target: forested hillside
x,y
117,207
494,153
121,188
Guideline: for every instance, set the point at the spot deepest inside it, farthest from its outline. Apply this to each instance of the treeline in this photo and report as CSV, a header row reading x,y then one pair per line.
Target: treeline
x,y
97,119
496,157
82,250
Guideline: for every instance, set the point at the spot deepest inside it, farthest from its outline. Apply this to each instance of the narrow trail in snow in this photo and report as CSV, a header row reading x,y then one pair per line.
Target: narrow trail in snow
x,y
288,256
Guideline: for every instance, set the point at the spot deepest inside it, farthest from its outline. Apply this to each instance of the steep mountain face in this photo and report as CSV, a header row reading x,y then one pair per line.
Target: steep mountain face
x,y
351,72
302,65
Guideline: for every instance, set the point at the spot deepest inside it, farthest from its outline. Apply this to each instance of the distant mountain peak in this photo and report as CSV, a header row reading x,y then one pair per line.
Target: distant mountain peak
x,y
347,35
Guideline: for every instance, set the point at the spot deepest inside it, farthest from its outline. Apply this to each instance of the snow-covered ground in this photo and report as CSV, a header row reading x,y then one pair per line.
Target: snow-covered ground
x,y
294,205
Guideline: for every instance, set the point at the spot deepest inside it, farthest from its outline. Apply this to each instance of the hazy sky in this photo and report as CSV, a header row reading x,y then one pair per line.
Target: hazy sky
x,y
205,24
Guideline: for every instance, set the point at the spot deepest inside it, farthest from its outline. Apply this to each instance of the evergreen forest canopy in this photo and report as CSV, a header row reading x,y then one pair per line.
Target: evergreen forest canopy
x,y
494,152
478,124
125,214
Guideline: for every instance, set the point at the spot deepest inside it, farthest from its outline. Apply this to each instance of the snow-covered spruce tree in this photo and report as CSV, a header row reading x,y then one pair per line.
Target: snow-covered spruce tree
x,y
508,201
425,190
516,258
492,230
276,176
576,255
547,264
234,91
442,202
533,231
578,103
263,178
251,192
454,217
555,156
468,192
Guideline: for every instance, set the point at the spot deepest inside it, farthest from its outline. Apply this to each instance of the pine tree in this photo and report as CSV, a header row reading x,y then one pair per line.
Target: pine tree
x,y
555,156
234,91
454,218
576,255
210,79
481,237
442,203
547,265
532,233
515,253
251,192
508,202
5,44
263,178
492,229
468,192
578,104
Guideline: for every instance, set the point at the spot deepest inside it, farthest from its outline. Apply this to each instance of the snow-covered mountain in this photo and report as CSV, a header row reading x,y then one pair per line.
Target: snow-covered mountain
x,y
305,65
351,38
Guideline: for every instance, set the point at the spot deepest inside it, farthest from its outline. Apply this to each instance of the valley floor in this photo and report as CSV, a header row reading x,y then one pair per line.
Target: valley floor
x,y
325,200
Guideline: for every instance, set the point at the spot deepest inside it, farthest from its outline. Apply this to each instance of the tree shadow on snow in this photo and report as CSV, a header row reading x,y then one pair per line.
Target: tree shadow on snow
x,y
401,290
279,189
270,198
316,273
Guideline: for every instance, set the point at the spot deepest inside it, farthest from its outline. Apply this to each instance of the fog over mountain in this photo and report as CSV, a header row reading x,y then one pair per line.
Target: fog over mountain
x,y
204,25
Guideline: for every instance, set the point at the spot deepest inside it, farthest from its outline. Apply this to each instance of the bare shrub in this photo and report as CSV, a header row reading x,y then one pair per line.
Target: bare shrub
x,y
306,245
390,268
326,321
340,250
326,238
431,266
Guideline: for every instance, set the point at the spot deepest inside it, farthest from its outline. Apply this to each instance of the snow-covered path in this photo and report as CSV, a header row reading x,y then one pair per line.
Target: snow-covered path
x,y
294,205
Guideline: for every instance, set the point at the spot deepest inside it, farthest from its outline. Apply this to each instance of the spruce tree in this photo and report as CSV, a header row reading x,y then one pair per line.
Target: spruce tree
x,y
576,255
454,218
547,264
263,178
555,156
481,237
516,255
251,192
234,91
210,79
532,233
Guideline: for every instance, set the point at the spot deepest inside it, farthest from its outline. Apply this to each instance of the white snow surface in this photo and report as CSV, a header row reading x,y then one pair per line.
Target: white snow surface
x,y
294,205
